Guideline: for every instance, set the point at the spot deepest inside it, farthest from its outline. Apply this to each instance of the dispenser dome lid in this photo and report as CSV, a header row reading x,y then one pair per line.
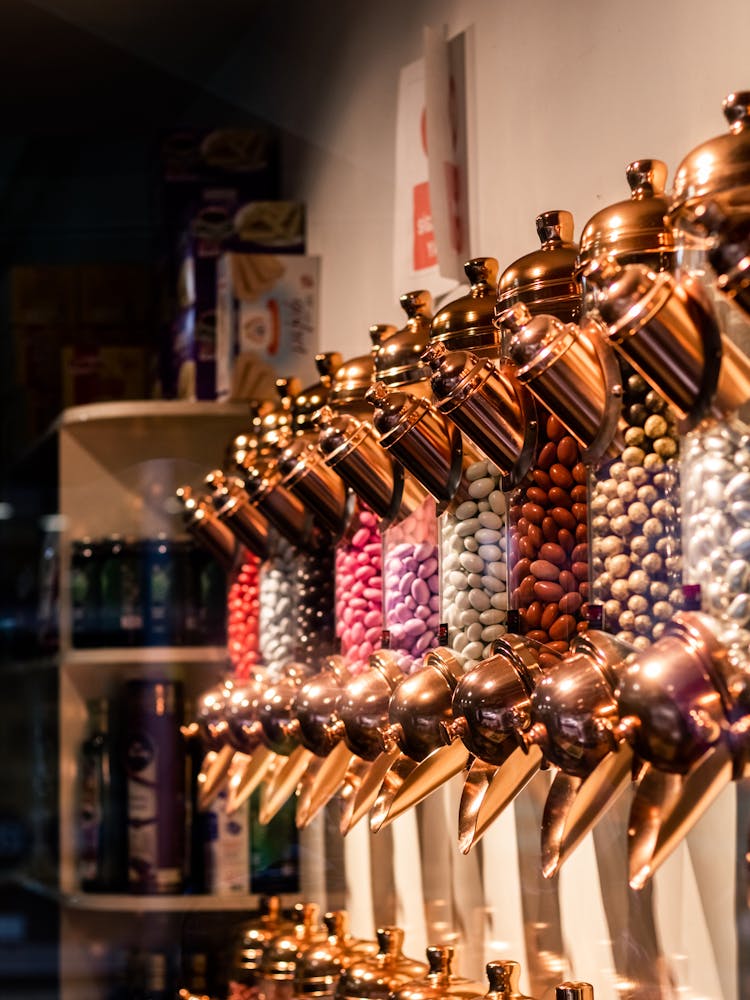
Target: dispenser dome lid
x,y
466,322
545,280
353,378
397,357
307,402
718,169
637,228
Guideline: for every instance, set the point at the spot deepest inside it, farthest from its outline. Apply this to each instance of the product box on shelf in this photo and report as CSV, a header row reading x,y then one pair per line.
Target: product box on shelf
x,y
264,237
267,320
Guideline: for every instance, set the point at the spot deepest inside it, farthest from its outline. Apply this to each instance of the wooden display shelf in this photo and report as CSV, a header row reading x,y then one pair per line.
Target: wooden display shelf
x,y
131,903
176,409
107,656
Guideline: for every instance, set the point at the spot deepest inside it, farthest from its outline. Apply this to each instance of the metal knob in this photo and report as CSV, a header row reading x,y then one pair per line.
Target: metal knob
x,y
574,991
736,108
647,178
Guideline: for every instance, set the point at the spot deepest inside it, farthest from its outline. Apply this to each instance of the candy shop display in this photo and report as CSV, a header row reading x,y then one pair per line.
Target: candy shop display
x,y
359,589
513,538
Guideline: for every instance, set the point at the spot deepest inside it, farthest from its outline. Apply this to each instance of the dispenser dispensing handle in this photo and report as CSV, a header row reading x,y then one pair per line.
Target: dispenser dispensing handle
x,y
390,940
379,333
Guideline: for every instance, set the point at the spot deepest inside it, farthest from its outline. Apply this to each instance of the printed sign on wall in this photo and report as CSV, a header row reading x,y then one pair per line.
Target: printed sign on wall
x,y
431,229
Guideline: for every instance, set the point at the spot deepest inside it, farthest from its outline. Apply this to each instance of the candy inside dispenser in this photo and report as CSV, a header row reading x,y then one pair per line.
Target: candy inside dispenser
x,y
634,495
359,550
489,409
411,609
410,556
709,213
710,384
359,589
547,511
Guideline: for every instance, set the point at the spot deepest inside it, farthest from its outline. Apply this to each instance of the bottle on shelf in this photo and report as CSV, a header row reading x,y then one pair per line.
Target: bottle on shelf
x,y
122,598
154,754
156,976
85,594
99,820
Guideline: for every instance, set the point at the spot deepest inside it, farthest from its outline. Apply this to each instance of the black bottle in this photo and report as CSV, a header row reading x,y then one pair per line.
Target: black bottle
x,y
99,825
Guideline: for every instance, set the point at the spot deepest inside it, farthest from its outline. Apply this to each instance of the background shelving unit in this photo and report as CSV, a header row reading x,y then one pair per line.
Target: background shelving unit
x,y
119,466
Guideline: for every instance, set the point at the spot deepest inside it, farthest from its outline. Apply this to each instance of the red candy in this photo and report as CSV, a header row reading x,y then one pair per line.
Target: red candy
x,y
242,621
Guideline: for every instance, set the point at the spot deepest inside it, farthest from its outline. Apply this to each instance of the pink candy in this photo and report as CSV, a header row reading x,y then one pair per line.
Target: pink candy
x,y
359,592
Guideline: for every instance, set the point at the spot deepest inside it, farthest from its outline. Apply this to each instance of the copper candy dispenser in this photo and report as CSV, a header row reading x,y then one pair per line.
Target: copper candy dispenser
x,y
283,952
375,977
440,982
709,211
544,279
320,966
466,484
634,495
503,978
359,598
544,282
252,939
641,310
409,542
210,724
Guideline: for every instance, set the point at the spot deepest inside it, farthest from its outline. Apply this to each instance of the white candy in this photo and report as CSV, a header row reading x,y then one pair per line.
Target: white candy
x,y
482,488
479,600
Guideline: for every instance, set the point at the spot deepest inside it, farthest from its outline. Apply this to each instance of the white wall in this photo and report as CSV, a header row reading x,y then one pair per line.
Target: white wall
x,y
565,95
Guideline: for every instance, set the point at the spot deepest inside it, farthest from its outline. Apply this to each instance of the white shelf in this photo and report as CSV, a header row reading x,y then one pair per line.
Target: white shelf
x,y
148,655
128,903
120,464
175,409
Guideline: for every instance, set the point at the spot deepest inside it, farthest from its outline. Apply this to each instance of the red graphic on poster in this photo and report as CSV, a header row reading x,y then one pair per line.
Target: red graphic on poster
x,y
424,245
425,248
453,189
